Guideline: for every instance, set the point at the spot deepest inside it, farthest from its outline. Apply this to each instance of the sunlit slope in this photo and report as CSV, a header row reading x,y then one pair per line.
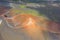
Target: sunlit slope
x,y
19,16
23,14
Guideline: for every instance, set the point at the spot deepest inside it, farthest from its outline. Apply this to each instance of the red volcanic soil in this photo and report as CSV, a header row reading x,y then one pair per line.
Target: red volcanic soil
x,y
54,27
21,19
51,25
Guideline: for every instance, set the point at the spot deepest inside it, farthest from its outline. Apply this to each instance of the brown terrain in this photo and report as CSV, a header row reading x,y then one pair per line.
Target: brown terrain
x,y
3,10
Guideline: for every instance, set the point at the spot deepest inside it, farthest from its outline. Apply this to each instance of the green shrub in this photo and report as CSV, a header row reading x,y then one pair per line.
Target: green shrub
x,y
22,6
